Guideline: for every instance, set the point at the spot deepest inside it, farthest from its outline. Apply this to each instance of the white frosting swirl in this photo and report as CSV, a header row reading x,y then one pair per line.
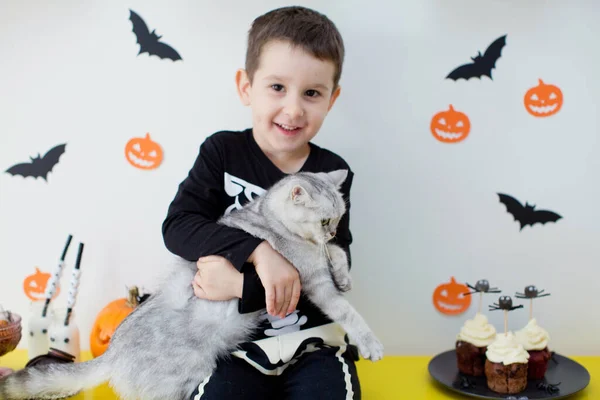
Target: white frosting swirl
x,y
533,336
507,350
477,331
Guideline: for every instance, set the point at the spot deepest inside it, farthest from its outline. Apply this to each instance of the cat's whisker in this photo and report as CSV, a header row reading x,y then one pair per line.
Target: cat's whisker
x,y
327,252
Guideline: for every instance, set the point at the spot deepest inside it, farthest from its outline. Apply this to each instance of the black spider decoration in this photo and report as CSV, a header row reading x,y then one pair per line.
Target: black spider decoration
x,y
463,382
482,286
504,303
531,292
549,388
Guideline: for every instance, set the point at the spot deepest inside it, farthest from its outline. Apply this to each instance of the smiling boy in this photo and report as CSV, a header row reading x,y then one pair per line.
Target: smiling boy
x,y
290,82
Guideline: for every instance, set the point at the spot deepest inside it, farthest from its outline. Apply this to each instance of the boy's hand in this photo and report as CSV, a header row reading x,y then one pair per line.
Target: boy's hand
x,y
279,278
217,279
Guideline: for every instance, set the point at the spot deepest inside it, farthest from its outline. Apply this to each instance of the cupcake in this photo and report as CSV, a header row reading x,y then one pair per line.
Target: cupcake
x,y
506,365
471,345
535,339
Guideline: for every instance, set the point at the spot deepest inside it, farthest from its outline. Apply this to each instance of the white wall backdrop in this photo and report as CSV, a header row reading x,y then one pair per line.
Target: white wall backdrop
x,y
422,210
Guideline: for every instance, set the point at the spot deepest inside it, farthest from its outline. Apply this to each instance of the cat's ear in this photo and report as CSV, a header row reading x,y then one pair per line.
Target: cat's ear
x,y
299,195
338,176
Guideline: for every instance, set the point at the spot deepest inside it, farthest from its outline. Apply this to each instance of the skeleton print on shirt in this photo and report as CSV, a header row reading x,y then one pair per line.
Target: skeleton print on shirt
x,y
235,186
275,326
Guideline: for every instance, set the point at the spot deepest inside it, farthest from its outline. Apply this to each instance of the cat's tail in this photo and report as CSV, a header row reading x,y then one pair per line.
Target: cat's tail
x,y
54,381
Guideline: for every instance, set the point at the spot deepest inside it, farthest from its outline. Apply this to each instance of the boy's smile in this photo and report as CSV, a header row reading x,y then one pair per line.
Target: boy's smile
x,y
290,95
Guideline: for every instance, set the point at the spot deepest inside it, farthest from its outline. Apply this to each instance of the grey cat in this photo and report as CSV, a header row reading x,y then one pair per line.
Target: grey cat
x,y
171,342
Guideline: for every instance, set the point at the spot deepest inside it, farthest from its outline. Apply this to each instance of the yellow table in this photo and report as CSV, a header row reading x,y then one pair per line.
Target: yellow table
x,y
393,378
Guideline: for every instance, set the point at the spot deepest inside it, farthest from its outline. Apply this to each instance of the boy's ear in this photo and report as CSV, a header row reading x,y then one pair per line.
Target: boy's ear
x,y
334,97
243,86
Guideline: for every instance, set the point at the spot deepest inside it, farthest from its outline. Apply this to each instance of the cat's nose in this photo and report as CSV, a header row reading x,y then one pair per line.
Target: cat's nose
x,y
332,234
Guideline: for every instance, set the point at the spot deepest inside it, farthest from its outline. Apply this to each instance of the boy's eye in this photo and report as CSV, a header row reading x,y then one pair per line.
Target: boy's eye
x,y
312,93
325,222
277,87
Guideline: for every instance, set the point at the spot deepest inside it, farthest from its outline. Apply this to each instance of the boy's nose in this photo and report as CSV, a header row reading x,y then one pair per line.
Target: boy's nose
x,y
293,108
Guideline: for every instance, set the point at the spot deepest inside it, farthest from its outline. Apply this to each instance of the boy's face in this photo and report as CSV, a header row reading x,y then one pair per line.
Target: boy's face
x,y
290,96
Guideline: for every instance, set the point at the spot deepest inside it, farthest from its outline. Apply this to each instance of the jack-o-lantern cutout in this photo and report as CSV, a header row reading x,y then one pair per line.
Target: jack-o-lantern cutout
x,y
34,285
450,126
109,318
543,100
143,152
449,298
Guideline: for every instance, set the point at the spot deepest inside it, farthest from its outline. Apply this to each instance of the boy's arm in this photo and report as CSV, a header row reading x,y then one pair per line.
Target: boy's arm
x,y
190,229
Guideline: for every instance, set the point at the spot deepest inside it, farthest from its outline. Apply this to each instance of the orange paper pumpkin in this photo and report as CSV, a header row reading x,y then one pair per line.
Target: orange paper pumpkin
x,y
543,100
109,319
34,285
449,298
450,126
143,152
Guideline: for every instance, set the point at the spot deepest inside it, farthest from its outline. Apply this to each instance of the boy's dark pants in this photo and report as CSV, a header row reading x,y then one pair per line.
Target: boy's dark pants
x,y
317,375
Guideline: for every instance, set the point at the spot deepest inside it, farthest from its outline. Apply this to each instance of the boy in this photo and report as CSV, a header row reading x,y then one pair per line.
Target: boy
x,y
293,66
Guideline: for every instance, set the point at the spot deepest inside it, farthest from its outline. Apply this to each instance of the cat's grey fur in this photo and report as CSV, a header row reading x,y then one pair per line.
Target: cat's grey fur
x,y
171,342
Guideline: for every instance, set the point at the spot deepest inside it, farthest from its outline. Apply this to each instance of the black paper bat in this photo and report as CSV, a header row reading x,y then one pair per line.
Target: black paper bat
x,y
481,65
527,215
39,166
149,41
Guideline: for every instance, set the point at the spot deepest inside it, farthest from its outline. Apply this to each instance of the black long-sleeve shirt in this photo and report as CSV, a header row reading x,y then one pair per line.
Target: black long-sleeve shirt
x,y
229,171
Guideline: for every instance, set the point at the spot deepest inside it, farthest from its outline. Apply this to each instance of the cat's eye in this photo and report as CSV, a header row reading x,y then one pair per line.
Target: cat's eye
x,y
325,222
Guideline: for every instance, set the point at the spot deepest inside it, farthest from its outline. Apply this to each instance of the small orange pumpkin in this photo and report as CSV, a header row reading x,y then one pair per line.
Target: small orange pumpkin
x,y
449,298
34,285
543,100
450,126
109,319
143,152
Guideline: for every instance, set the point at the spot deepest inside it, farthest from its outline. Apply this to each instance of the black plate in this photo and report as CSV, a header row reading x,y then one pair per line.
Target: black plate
x,y
573,377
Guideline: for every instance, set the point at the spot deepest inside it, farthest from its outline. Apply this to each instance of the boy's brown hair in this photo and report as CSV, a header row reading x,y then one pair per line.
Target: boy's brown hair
x,y
302,27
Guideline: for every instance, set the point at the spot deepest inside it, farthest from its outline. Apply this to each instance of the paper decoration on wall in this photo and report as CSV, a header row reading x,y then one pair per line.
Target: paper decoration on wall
x,y
39,166
482,65
143,152
34,285
450,126
531,292
543,100
149,41
527,215
449,298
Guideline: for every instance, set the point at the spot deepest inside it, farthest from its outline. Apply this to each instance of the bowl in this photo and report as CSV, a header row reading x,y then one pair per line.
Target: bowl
x,y
10,331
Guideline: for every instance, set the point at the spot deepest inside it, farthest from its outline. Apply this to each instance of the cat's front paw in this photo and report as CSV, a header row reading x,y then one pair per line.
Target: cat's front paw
x,y
371,348
344,283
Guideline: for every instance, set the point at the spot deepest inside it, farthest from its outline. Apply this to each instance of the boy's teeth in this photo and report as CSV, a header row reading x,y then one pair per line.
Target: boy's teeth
x,y
287,127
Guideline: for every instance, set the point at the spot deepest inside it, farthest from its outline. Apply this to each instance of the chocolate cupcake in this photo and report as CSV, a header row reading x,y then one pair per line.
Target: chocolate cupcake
x,y
471,345
506,365
535,340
